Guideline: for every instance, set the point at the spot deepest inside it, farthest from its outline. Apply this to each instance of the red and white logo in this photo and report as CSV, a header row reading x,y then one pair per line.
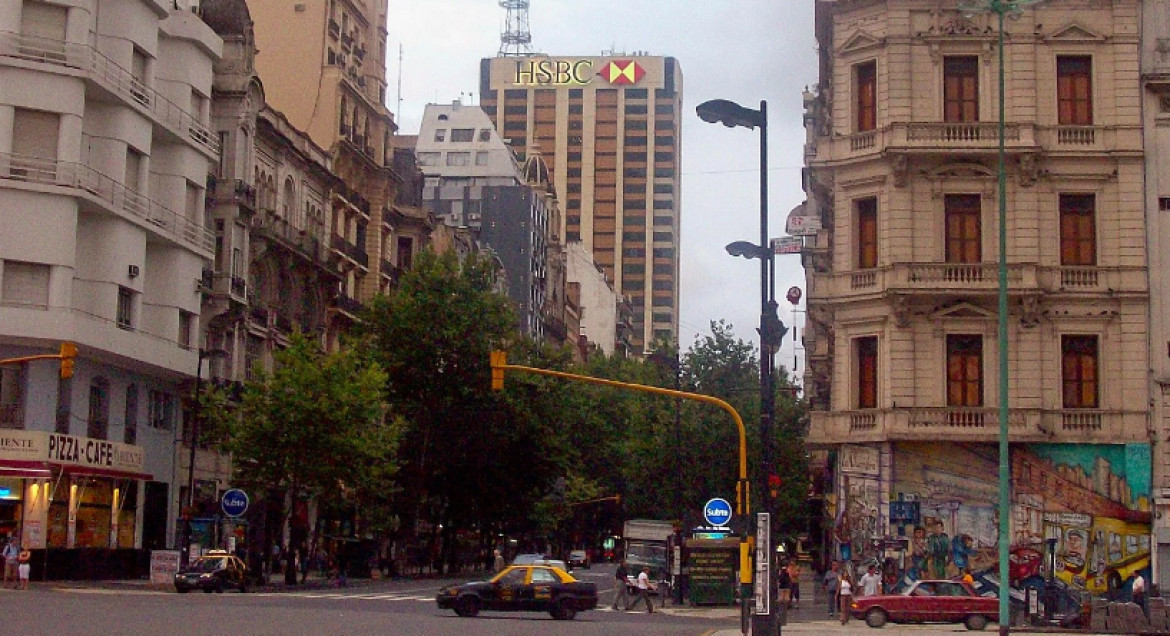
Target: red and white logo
x,y
623,72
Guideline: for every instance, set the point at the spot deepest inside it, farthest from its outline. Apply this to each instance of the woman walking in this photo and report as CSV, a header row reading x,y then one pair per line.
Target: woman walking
x,y
845,594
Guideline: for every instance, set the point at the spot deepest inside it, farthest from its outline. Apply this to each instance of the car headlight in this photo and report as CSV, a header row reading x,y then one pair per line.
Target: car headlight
x,y
206,576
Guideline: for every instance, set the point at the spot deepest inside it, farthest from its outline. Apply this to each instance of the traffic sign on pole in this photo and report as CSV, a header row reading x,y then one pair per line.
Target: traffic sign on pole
x,y
717,512
234,502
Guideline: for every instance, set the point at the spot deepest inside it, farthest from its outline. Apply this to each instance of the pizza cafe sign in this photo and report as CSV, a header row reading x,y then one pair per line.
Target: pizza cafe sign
x,y
72,450
570,72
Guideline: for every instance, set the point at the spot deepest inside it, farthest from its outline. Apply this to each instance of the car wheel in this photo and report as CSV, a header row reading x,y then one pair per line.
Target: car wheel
x,y
219,587
467,606
182,590
243,587
976,622
564,610
876,617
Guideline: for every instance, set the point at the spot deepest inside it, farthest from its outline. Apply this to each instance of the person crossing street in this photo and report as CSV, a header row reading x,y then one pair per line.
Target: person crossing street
x,y
621,585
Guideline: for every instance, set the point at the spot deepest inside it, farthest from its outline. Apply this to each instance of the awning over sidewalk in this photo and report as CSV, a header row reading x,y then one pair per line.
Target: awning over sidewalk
x,y
28,469
89,471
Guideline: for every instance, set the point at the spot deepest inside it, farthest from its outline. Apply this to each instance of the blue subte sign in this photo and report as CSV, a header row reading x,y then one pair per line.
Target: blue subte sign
x,y
717,512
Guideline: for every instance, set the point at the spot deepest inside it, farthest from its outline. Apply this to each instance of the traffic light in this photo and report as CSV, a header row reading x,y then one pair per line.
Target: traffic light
x,y
498,360
68,353
772,329
774,485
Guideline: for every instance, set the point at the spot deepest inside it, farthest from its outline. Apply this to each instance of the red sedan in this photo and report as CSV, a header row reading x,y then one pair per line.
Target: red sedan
x,y
929,602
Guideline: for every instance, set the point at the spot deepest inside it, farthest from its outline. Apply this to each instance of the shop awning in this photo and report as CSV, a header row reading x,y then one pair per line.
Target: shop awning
x,y
29,469
89,471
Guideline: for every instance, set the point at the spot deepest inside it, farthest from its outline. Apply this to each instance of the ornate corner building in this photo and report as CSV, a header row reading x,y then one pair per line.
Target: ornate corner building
x,y
902,376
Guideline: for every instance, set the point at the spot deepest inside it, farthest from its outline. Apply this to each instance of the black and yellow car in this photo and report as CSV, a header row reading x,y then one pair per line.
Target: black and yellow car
x,y
213,572
522,588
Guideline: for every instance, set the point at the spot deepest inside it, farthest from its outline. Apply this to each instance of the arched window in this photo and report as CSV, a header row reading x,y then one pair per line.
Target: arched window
x,y
289,207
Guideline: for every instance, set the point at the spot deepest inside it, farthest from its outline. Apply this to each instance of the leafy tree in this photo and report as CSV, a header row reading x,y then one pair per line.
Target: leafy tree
x,y
316,423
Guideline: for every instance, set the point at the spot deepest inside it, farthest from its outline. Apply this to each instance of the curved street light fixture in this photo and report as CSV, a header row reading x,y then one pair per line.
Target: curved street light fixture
x,y
1012,9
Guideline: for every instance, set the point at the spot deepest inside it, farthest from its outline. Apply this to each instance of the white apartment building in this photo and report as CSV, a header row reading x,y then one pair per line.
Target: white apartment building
x,y
104,155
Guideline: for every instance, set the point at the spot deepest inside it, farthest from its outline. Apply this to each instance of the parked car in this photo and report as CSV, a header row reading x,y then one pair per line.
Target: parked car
x,y
522,588
938,601
579,558
213,572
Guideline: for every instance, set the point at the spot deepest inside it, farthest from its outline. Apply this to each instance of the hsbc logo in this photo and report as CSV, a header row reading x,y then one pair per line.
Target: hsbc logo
x,y
623,72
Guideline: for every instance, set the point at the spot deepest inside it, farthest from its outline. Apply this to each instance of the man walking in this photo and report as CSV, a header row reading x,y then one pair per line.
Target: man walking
x,y
622,593
644,587
1138,591
829,584
11,551
871,582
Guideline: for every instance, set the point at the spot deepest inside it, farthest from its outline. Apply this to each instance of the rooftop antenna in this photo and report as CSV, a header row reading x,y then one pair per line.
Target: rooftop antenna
x,y
399,111
515,39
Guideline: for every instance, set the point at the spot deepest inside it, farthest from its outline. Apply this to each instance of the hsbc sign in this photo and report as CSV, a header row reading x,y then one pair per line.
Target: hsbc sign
x,y
579,72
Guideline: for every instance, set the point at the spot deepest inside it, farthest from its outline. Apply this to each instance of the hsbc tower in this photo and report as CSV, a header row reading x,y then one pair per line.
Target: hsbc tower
x,y
609,129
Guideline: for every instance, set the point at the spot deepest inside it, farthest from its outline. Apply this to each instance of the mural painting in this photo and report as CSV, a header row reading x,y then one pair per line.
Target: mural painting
x,y
1089,502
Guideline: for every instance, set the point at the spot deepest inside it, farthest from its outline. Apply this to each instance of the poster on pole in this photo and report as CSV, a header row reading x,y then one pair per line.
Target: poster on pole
x,y
763,563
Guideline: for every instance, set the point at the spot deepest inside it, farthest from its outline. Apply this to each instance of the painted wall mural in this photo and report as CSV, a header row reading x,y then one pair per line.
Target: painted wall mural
x,y
1090,502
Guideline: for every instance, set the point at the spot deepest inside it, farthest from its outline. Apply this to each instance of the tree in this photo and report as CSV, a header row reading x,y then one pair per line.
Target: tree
x,y
314,425
433,334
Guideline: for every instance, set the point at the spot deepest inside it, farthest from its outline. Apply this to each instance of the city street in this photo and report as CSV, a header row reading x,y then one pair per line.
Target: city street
x,y
400,607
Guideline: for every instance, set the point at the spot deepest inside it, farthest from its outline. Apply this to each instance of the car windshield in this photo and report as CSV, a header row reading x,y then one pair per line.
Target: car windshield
x,y
577,554
207,565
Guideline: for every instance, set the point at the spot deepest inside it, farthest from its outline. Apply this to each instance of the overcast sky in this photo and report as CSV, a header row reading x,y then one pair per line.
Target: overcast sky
x,y
742,50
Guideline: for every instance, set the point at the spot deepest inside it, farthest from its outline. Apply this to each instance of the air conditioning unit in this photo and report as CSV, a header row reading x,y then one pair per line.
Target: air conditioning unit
x,y
133,271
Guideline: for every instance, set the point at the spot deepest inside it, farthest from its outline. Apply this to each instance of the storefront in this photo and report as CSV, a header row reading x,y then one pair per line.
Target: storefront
x,y
63,493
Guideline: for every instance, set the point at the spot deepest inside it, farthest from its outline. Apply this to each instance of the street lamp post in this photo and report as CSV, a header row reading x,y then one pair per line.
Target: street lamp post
x,y
732,115
197,415
1002,8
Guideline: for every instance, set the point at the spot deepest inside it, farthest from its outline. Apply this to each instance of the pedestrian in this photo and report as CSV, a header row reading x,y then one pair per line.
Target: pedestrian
x,y
10,554
644,588
621,583
845,593
498,564
829,584
870,583
24,567
303,563
1138,591
794,583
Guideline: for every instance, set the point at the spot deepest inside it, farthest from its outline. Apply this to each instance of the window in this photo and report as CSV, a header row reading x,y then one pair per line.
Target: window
x,y
961,89
1074,90
125,316
1078,232
462,135
865,82
1079,371
458,158
34,144
186,321
99,409
130,427
964,370
867,244
11,390
405,252
485,134
133,174
963,241
25,285
162,410
481,158
440,134
867,372
428,158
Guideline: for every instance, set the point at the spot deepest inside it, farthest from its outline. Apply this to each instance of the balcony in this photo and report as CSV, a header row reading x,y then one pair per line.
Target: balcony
x,y
114,79
258,316
348,305
125,202
239,288
350,251
976,279
235,191
390,270
300,240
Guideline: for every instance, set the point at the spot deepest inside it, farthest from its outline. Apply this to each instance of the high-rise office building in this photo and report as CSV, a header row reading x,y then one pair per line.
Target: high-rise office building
x,y
609,130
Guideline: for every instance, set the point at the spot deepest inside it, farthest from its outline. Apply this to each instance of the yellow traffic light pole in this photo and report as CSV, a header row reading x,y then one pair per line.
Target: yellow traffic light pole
x,y
68,353
499,363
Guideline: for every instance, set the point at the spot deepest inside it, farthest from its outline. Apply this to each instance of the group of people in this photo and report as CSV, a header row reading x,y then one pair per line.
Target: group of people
x,y
839,588
16,564
645,586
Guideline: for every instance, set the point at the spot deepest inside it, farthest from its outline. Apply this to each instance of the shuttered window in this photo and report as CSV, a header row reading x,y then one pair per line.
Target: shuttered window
x,y
964,370
961,89
867,245
1079,371
1074,90
34,142
1078,231
867,372
865,101
963,221
44,21
25,285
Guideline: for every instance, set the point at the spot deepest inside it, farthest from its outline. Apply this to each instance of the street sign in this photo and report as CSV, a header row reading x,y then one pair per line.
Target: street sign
x,y
787,245
234,502
717,512
763,563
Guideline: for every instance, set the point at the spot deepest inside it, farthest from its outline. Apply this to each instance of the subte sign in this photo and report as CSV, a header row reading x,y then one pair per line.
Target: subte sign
x,y
234,502
717,512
